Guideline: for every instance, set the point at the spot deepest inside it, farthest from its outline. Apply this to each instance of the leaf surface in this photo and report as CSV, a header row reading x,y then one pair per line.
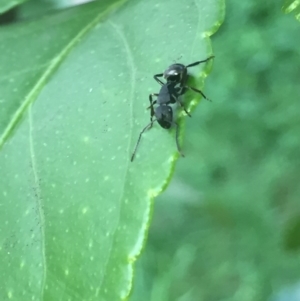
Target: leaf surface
x,y
74,92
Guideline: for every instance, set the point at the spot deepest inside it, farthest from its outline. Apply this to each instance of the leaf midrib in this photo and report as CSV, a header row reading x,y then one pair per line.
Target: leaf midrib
x,y
53,65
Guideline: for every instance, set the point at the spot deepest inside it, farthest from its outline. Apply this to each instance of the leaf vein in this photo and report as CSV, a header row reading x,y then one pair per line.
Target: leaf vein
x,y
132,69
39,201
53,65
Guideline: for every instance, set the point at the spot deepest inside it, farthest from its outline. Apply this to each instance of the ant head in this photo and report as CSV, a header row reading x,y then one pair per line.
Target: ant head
x,y
175,73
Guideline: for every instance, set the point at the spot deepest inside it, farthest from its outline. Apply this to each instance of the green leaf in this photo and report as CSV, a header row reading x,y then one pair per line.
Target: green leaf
x,y
74,92
292,5
6,5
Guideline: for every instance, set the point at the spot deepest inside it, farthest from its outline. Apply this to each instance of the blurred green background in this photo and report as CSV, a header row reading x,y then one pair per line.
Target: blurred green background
x,y
228,226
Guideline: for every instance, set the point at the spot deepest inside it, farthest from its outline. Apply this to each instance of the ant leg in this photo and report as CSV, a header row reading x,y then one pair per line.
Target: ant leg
x,y
177,134
156,77
198,91
148,126
152,103
199,62
183,107
195,64
180,103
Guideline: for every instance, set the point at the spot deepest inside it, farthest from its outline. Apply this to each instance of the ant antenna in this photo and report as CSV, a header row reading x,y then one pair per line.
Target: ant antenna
x,y
175,61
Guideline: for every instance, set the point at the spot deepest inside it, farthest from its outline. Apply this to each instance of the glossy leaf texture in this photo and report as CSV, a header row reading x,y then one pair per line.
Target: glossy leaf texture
x,y
292,6
74,88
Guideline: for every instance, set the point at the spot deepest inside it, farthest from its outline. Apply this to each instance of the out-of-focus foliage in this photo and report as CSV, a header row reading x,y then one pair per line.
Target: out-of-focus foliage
x,y
228,227
6,5
292,6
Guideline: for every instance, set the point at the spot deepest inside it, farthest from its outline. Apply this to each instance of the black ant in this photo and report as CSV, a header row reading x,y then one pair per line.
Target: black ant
x,y
176,76
177,73
163,112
